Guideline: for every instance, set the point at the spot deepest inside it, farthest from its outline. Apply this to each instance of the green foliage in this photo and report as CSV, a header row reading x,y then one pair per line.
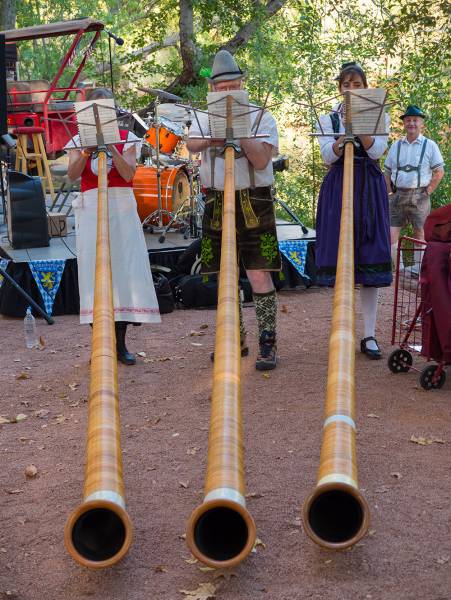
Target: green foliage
x,y
295,56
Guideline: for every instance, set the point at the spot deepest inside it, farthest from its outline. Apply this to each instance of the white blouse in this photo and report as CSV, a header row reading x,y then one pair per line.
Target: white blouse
x,y
132,140
325,142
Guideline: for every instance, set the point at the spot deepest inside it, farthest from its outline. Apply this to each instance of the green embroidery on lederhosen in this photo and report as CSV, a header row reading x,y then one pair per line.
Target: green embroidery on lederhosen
x,y
216,219
250,218
206,252
269,247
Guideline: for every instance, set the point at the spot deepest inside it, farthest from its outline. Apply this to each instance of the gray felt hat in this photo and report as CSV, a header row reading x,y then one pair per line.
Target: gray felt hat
x,y
224,68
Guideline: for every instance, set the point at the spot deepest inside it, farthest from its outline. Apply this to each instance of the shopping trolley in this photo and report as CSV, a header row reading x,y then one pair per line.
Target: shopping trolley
x,y
414,329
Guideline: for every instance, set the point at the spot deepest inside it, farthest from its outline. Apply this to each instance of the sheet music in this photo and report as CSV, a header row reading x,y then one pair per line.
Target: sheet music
x,y
217,105
86,122
367,111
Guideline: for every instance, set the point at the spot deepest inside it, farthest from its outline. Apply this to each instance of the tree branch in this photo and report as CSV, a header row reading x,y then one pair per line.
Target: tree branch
x,y
247,31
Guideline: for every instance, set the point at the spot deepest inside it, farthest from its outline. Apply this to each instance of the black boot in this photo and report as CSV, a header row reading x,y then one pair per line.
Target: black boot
x,y
126,357
267,357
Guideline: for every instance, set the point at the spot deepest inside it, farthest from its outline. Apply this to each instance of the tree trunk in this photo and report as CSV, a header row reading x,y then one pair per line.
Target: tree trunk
x,y
8,11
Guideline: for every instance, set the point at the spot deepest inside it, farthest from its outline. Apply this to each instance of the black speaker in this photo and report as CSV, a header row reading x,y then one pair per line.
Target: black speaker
x,y
26,213
3,122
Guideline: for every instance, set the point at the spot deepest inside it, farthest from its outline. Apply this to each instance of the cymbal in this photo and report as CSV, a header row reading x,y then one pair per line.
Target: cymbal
x,y
161,94
177,114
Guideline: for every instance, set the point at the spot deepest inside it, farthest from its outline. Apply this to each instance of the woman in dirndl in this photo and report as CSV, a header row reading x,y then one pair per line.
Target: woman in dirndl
x,y
373,268
134,295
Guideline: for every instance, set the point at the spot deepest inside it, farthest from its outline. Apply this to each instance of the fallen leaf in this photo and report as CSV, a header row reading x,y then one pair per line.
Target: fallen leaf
x,y
205,591
3,420
59,419
19,417
442,560
191,560
41,344
43,412
31,471
284,308
422,441
196,344
17,360
373,416
326,562
183,484
206,569
203,326
192,451
23,375
396,475
258,542
196,333
254,495
266,375
175,434
164,358
13,491
160,569
142,354
182,536
73,386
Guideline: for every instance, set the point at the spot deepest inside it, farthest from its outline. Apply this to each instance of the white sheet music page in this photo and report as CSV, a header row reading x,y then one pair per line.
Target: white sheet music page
x,y
87,125
368,111
217,113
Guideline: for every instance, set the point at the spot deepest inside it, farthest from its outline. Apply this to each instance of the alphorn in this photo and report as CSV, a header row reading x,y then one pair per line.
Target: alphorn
x,y
221,532
99,531
336,515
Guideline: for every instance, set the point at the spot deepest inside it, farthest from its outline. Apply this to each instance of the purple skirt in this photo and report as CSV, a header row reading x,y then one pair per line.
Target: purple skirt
x,y
371,225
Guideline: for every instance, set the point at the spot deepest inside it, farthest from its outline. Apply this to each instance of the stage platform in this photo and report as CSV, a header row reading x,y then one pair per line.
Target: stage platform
x,y
61,261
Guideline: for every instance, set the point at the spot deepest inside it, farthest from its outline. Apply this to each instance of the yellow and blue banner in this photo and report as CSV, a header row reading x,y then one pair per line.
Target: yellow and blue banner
x,y
295,251
47,274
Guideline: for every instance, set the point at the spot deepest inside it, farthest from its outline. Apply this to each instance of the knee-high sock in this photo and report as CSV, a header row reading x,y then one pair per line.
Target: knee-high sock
x,y
266,311
394,254
368,301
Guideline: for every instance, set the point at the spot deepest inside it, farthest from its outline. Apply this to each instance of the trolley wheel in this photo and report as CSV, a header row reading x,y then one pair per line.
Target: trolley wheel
x,y
426,378
399,361
161,239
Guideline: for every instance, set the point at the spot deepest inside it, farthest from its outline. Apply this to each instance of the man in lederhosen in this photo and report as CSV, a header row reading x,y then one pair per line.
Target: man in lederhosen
x,y
255,221
413,170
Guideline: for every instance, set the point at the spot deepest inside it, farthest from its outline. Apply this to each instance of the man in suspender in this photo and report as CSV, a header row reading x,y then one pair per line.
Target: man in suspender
x,y
255,222
413,170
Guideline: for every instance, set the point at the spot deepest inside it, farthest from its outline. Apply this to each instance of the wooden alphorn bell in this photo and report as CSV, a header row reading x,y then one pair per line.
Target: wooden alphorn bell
x,y
336,515
221,532
99,531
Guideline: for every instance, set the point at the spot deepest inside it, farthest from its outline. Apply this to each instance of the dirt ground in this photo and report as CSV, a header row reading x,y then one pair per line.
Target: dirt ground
x,y
165,418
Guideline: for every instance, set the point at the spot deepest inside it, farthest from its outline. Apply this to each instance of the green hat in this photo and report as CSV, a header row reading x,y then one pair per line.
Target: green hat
x,y
413,111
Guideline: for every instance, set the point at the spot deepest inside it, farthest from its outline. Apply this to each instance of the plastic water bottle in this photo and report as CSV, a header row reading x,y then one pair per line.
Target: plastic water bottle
x,y
29,327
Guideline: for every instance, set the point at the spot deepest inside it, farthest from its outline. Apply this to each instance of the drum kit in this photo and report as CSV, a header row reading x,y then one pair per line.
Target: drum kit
x,y
166,183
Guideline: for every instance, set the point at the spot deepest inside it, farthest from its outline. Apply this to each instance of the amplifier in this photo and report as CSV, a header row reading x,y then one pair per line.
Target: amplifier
x,y
26,212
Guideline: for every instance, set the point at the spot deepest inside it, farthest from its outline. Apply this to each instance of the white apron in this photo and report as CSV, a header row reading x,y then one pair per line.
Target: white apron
x,y
134,295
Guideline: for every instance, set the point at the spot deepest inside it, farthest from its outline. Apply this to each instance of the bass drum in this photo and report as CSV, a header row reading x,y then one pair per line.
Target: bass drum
x,y
174,190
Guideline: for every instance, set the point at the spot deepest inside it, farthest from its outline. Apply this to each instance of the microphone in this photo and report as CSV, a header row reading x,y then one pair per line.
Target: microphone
x,y
119,41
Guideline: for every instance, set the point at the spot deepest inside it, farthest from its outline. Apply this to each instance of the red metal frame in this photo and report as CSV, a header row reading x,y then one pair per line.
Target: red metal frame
x,y
402,330
56,135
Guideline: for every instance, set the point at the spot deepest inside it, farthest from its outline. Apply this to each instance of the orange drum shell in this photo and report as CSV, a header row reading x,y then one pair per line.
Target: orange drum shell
x,y
174,189
168,139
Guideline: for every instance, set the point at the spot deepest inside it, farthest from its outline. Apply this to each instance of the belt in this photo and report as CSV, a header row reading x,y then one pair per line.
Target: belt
x,y
400,189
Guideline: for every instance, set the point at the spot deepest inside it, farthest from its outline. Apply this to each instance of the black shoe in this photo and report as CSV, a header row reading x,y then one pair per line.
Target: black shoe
x,y
244,351
267,357
373,354
123,355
